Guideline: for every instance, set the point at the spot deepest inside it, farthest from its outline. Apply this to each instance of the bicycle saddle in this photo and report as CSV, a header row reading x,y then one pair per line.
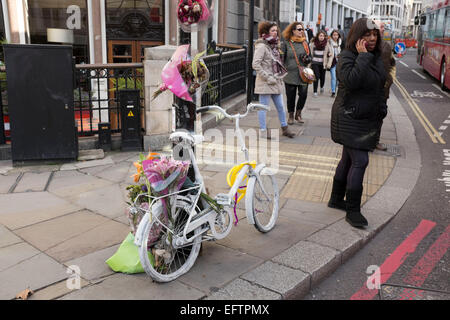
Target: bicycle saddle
x,y
181,136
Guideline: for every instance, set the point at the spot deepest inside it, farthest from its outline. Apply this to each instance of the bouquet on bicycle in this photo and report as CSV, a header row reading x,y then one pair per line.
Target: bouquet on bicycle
x,y
183,76
161,176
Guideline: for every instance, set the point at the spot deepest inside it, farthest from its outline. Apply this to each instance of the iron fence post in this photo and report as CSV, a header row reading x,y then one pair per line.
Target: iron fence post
x,y
246,74
2,125
220,76
251,19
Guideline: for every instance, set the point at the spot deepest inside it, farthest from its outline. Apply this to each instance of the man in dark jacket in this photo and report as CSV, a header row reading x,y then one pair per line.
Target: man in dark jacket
x,y
309,33
389,66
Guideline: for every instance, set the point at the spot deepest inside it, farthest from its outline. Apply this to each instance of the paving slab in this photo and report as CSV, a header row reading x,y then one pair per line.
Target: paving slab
x,y
326,217
348,243
32,182
7,181
69,184
30,274
93,266
314,259
107,200
388,199
23,209
100,237
116,173
86,164
245,237
7,237
5,166
119,156
240,289
344,227
135,287
91,154
55,291
288,282
218,265
50,233
16,253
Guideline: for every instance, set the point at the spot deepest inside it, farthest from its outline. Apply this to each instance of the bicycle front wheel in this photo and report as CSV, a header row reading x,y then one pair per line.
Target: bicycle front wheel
x,y
263,191
160,258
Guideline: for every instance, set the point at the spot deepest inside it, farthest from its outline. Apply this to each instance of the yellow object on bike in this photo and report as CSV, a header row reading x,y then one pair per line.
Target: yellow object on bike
x,y
231,178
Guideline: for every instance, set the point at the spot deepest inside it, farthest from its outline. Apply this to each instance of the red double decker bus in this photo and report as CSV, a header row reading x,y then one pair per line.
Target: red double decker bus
x,y
434,41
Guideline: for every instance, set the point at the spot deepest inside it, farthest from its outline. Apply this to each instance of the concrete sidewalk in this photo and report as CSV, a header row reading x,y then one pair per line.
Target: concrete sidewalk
x,y
55,216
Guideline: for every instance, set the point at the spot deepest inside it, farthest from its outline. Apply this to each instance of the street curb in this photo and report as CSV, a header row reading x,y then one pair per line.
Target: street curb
x,y
329,248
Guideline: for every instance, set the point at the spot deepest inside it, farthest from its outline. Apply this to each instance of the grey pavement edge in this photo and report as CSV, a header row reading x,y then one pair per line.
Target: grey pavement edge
x,y
294,272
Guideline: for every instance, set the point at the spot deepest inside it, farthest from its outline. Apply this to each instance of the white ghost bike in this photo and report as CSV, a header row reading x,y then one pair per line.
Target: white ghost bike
x,y
168,247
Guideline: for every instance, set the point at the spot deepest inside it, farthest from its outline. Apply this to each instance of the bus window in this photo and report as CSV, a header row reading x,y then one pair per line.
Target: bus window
x,y
431,26
439,31
447,26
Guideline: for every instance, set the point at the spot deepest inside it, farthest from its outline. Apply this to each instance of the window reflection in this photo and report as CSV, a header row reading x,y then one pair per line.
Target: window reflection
x,y
60,22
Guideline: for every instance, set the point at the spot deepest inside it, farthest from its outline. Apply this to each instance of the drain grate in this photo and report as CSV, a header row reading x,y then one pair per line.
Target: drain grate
x,y
393,150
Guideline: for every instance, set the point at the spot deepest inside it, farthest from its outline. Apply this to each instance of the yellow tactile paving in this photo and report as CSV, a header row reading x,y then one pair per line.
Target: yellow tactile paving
x,y
312,180
310,167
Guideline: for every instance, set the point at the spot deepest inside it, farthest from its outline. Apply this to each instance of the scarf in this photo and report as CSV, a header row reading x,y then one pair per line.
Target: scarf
x,y
336,47
320,45
303,41
277,66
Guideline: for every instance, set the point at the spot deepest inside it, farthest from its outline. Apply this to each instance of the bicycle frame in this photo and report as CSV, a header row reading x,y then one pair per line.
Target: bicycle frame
x,y
208,215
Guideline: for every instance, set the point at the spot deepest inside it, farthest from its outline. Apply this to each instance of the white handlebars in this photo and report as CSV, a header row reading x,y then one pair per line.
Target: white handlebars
x,y
250,107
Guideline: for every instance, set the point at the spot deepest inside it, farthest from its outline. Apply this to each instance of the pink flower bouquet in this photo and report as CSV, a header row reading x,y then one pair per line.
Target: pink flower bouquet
x,y
194,14
182,75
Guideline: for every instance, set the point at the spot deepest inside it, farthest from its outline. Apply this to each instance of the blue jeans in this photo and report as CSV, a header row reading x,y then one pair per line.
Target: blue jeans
x,y
334,81
265,100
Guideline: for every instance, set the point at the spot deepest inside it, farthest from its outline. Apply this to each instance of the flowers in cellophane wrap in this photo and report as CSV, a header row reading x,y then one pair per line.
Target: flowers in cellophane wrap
x,y
183,76
195,14
161,176
141,189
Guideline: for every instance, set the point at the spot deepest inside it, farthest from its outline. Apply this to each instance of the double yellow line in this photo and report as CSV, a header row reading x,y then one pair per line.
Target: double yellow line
x,y
432,132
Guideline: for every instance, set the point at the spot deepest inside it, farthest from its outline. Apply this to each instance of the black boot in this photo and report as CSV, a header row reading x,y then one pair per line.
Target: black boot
x,y
337,195
353,202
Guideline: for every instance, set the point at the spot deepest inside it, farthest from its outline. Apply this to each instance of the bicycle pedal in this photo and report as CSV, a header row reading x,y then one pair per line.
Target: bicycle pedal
x,y
224,199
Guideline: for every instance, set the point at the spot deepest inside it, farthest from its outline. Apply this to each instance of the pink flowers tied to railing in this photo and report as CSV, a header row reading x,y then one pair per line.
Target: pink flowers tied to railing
x,y
191,12
182,75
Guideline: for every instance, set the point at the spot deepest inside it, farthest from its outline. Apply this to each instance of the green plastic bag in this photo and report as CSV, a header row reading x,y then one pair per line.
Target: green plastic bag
x,y
126,259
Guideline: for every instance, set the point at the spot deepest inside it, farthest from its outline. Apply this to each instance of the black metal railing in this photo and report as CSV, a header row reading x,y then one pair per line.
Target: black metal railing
x,y
96,97
4,115
227,76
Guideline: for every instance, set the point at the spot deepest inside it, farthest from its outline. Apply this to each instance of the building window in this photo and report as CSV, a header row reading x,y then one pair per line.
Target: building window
x,y
135,19
60,21
2,24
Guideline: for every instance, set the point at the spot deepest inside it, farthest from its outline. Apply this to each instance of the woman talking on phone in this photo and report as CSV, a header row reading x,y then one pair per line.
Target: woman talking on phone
x,y
356,114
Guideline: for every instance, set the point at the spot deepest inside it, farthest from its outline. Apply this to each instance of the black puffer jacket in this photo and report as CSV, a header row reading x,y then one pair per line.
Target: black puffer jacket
x,y
359,106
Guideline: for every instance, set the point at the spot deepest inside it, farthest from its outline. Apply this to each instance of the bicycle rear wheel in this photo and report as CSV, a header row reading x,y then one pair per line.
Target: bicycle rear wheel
x,y
263,191
161,260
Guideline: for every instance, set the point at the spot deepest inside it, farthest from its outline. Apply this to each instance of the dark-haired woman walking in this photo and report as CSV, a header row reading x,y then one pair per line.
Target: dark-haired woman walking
x,y
322,56
295,51
270,72
356,114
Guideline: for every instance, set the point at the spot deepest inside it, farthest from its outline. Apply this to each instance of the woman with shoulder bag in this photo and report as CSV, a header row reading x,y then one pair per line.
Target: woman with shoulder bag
x,y
270,72
356,114
296,54
335,44
322,57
